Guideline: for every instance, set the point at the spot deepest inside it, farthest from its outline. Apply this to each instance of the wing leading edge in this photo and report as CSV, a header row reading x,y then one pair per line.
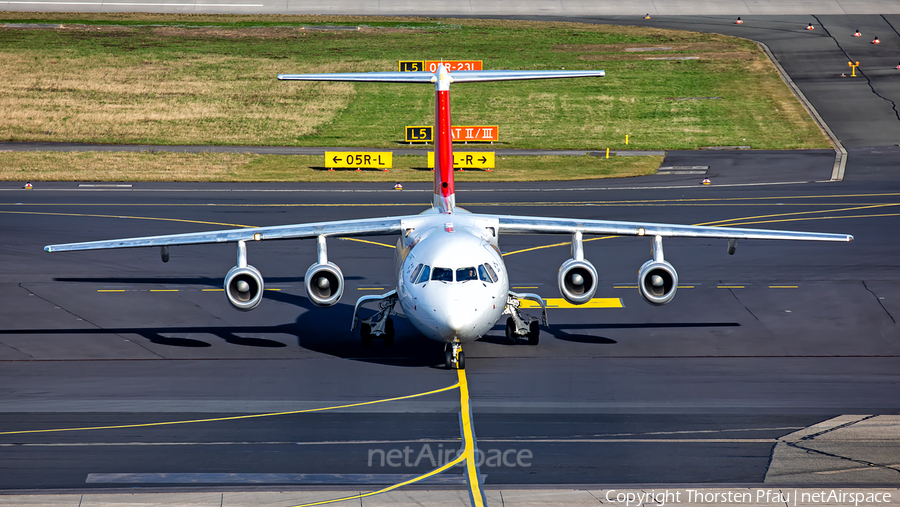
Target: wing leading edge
x,y
544,225
364,227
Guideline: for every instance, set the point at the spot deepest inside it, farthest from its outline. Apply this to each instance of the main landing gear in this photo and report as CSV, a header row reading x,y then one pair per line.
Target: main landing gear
x,y
380,325
454,358
519,324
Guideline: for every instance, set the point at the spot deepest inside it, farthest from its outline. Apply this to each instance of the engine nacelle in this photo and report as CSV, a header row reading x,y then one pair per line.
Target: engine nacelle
x,y
324,284
657,281
244,287
577,281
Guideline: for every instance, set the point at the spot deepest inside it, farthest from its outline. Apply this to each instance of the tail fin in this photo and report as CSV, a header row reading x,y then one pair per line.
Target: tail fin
x,y
444,192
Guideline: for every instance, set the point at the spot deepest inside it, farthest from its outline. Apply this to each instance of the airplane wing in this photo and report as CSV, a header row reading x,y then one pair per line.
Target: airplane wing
x,y
364,227
544,225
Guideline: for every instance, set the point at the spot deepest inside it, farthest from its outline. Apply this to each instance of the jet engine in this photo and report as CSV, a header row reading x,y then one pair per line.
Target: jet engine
x,y
244,287
324,284
657,279
658,282
577,281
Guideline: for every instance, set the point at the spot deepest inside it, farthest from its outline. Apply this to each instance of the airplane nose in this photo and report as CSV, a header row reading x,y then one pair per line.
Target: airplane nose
x,y
458,316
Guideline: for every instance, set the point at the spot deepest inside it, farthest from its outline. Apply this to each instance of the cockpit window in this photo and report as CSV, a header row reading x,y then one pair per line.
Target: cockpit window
x,y
483,274
466,274
415,273
442,274
423,274
491,272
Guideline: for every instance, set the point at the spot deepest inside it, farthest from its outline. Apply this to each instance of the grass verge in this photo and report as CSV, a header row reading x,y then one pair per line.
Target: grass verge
x,y
233,167
202,79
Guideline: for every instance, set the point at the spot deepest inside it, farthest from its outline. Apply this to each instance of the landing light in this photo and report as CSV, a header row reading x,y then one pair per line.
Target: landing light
x,y
448,226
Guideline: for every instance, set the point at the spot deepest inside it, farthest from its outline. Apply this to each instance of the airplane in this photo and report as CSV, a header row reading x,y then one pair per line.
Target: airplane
x,y
452,284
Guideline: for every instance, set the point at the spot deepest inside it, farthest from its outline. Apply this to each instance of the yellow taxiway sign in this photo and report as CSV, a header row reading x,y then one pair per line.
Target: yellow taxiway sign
x,y
361,159
468,159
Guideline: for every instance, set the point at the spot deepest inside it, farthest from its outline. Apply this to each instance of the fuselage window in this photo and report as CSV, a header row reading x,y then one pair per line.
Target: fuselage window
x,y
415,273
466,274
442,274
423,275
483,274
491,272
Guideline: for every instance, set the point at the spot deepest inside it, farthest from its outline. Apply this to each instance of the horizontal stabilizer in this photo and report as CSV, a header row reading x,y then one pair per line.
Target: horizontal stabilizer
x,y
460,76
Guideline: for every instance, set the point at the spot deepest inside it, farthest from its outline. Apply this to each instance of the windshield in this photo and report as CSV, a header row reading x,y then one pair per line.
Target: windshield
x,y
422,274
442,274
466,274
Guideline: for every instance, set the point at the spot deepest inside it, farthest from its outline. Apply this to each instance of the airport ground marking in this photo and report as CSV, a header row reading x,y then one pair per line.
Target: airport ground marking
x,y
236,417
467,455
450,464
801,213
705,201
366,241
472,475
562,303
740,222
123,216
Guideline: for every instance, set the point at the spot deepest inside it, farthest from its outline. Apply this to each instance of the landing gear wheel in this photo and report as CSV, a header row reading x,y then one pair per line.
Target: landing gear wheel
x,y
365,333
461,361
448,359
511,337
534,333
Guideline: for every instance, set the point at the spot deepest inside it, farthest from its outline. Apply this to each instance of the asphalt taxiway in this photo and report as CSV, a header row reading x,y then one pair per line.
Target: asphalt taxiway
x,y
754,347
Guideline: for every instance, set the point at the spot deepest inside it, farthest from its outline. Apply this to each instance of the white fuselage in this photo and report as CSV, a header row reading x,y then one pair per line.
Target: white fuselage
x,y
452,283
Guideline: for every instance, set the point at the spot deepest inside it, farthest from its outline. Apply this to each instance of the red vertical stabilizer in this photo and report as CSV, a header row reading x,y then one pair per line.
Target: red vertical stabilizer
x,y
444,193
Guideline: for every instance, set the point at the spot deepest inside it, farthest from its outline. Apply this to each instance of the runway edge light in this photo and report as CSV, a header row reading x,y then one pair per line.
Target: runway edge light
x,y
28,185
739,21
706,181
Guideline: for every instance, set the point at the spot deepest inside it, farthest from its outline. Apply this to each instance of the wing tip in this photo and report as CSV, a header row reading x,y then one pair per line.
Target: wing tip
x,y
48,248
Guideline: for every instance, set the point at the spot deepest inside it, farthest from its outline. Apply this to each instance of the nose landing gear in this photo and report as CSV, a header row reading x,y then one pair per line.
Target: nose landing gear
x,y
454,358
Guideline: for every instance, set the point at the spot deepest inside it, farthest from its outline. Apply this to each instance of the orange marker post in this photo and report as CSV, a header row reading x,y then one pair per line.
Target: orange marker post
x,y
853,66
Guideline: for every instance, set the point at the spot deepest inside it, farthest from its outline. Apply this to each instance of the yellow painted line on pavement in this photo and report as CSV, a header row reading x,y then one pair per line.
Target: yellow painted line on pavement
x,y
236,417
836,210
467,454
370,288
469,438
213,290
784,286
366,241
625,286
730,287
110,290
163,290
123,216
562,303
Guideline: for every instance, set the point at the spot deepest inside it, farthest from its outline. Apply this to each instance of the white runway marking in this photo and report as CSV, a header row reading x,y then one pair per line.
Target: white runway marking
x,y
250,478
